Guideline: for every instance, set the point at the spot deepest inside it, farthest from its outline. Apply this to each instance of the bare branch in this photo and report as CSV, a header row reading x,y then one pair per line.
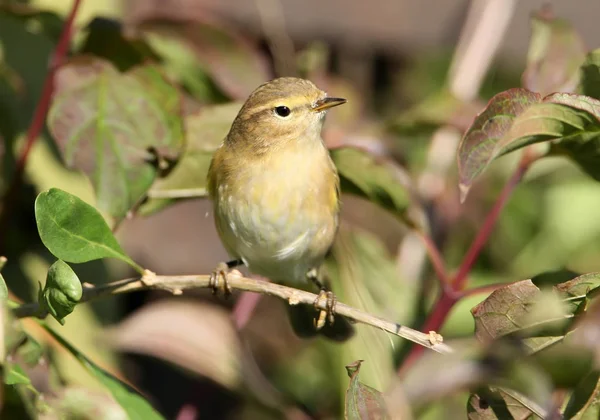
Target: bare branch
x,y
177,284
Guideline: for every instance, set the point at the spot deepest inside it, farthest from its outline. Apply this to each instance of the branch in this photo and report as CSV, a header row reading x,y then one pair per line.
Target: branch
x,y
177,284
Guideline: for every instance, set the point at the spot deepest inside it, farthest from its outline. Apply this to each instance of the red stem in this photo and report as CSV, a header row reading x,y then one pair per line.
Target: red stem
x,y
485,232
482,289
39,117
455,289
433,323
436,259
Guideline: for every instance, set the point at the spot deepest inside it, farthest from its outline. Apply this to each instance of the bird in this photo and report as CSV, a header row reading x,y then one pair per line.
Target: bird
x,y
276,195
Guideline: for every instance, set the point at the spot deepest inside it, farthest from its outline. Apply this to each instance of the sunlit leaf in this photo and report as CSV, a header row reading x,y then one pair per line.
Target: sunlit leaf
x,y
61,292
136,407
376,179
74,231
555,53
362,401
117,128
517,118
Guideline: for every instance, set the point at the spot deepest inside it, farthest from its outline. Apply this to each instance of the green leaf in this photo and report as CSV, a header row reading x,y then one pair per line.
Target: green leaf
x,y
362,401
589,84
16,375
439,108
584,402
62,291
517,118
163,93
118,128
376,179
555,53
205,131
136,407
74,231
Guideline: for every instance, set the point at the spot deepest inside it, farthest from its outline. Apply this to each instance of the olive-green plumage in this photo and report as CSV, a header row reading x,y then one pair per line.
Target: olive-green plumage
x,y
274,187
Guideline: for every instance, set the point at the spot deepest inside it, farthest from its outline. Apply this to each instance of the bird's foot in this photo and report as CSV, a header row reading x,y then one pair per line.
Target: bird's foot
x,y
327,314
218,278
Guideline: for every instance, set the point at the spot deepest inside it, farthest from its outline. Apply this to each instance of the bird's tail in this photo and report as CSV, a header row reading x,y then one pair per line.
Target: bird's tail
x,y
302,318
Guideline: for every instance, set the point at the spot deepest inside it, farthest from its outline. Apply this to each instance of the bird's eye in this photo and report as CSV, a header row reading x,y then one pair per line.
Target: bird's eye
x,y
282,111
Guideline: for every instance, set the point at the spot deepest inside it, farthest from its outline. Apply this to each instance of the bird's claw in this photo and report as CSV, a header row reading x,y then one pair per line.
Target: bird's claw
x,y
218,280
328,314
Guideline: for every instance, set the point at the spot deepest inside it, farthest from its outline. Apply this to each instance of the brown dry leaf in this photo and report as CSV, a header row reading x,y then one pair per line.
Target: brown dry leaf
x,y
196,336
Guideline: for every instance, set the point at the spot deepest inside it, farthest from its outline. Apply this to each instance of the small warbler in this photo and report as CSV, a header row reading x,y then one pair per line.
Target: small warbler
x,y
275,193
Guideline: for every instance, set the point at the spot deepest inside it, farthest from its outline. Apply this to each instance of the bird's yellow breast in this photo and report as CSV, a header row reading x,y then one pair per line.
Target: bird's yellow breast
x,y
279,211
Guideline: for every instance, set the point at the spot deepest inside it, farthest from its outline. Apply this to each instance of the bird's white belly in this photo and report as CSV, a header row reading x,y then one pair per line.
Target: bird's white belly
x,y
275,238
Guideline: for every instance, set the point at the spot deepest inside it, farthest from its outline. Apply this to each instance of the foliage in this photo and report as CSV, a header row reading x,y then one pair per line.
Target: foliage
x,y
134,115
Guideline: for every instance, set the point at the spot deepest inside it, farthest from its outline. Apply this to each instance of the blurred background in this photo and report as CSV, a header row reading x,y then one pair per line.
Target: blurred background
x,y
415,73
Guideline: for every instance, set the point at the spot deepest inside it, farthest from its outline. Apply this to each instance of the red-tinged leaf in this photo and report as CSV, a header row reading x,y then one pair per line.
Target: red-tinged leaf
x,y
480,143
502,311
362,401
518,118
556,52
118,128
542,318
198,337
233,62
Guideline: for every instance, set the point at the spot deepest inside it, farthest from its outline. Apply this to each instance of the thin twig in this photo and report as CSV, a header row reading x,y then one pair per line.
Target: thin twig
x,y
38,120
177,284
435,257
178,193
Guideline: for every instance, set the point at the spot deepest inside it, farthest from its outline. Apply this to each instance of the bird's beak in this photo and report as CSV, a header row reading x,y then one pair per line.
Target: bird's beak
x,y
326,103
